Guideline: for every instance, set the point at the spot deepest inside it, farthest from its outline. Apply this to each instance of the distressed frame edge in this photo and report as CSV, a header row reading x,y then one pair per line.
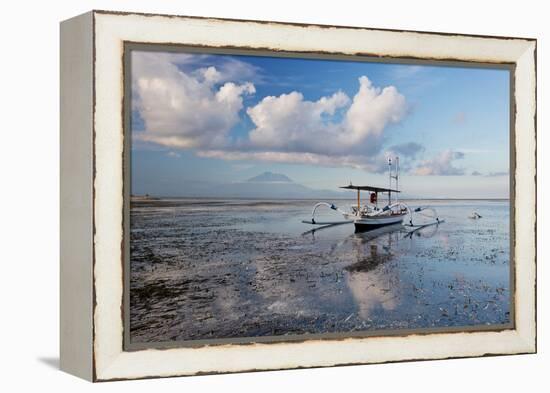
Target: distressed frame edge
x,y
525,234
129,47
526,339
304,24
76,196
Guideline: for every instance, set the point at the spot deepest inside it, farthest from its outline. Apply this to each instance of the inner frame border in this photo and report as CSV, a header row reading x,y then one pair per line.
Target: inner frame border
x,y
129,46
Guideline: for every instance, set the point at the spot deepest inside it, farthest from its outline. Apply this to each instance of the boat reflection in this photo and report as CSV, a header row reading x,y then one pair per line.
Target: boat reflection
x,y
374,278
374,247
372,266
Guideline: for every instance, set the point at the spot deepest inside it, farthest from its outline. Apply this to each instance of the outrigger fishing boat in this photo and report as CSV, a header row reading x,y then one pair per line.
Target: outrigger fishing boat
x,y
371,216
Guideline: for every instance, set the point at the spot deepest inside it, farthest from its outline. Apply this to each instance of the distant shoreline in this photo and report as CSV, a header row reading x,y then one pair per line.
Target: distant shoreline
x,y
141,198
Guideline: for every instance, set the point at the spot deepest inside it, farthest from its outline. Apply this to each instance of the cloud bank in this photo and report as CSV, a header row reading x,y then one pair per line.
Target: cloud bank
x,y
187,103
441,165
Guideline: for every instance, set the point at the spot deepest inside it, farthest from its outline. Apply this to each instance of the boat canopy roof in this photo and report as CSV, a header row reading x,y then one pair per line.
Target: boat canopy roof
x,y
369,188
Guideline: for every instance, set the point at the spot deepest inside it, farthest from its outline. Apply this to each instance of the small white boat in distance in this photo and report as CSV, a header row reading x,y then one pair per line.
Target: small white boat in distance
x,y
474,216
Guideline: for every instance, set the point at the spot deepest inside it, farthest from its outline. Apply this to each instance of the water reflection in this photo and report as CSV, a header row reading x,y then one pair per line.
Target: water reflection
x,y
246,271
373,282
366,247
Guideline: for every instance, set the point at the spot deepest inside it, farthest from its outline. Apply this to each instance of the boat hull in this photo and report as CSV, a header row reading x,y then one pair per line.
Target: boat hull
x,y
368,223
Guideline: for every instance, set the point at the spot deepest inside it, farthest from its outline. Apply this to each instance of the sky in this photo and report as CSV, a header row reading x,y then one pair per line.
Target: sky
x,y
218,119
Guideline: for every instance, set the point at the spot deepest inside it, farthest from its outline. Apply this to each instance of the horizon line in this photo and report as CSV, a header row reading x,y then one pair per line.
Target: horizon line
x,y
307,199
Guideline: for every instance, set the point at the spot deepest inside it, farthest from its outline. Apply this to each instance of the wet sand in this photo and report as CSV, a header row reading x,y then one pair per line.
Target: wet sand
x,y
205,269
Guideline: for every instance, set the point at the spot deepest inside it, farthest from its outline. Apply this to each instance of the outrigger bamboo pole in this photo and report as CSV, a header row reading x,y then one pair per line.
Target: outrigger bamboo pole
x,y
358,201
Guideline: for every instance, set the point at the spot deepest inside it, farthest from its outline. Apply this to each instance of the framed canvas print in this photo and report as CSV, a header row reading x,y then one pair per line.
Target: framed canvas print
x,y
245,195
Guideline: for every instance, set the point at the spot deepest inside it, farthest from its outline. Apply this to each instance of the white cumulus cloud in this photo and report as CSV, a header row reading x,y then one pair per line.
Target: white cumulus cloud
x,y
289,123
184,110
189,102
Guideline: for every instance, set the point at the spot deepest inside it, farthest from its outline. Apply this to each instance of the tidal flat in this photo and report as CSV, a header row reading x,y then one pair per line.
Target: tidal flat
x,y
215,269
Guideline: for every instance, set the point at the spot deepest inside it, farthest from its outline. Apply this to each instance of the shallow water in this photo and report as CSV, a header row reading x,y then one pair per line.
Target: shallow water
x,y
203,269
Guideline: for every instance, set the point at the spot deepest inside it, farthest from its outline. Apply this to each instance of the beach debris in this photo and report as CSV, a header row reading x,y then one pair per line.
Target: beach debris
x,y
474,216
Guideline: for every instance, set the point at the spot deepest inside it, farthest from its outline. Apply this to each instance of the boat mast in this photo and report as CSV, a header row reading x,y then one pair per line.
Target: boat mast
x,y
389,188
396,177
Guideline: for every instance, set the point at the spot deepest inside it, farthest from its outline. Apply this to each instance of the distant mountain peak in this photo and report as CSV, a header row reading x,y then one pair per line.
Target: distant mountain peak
x,y
270,177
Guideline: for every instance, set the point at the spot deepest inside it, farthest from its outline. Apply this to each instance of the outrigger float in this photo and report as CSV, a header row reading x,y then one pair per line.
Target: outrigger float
x,y
370,216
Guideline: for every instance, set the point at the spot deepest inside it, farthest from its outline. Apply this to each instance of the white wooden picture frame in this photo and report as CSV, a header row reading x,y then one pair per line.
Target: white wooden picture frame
x,y
92,194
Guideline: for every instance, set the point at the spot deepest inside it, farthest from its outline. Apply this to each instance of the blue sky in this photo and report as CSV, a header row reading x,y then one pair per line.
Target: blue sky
x,y
223,119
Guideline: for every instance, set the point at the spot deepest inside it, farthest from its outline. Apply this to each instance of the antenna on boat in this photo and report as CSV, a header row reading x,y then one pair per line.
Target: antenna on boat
x,y
396,177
